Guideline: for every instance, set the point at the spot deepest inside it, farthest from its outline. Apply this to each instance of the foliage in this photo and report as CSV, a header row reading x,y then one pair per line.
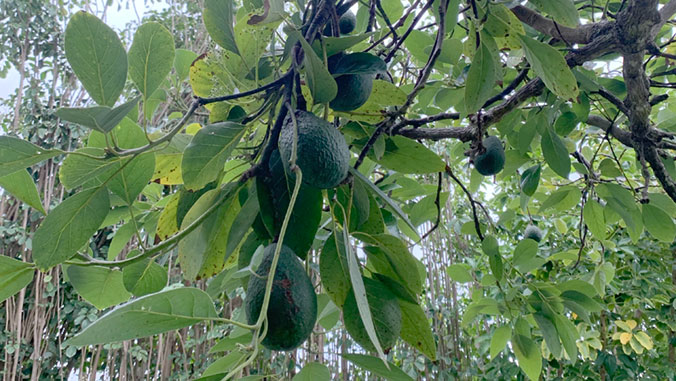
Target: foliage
x,y
152,199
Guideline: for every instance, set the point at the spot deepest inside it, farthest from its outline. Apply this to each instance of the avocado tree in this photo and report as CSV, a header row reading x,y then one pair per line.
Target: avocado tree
x,y
475,189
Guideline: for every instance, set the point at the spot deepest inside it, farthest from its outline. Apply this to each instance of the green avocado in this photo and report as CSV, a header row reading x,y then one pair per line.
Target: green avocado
x,y
347,22
322,154
533,232
353,91
385,313
492,160
292,310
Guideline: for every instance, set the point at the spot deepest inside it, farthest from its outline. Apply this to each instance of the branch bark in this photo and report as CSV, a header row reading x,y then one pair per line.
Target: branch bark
x,y
580,35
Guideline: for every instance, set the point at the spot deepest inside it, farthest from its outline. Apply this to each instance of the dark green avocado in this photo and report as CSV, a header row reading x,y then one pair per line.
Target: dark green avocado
x,y
292,310
347,22
492,160
353,91
322,154
385,313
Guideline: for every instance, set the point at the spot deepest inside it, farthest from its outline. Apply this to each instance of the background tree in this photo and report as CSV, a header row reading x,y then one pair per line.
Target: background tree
x,y
154,184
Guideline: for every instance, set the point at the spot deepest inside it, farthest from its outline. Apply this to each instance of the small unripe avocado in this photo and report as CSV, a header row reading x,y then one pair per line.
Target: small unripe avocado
x,y
492,160
533,232
347,22
322,154
292,311
385,312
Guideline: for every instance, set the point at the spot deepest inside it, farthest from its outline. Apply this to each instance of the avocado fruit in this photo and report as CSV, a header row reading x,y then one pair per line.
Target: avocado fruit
x,y
492,160
533,232
353,91
385,313
322,154
347,22
292,310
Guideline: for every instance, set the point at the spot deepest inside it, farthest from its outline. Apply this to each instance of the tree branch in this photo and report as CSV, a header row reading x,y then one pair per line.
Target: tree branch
x,y
580,35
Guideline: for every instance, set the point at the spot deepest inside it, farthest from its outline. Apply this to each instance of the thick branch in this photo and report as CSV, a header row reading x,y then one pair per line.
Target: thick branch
x,y
580,35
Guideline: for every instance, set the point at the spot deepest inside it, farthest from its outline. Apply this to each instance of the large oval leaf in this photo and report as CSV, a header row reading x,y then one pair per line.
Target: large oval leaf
x,y
151,57
149,315
16,154
100,286
97,57
551,67
69,226
204,158
14,275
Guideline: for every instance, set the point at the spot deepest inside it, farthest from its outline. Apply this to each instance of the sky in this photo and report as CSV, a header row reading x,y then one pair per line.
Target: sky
x,y
115,19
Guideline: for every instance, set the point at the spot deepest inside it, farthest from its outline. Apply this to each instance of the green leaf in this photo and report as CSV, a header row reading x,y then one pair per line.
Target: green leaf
x,y
549,333
321,83
594,219
149,315
17,154
183,58
387,370
408,156
491,248
204,158
100,286
401,261
201,253
144,277
97,57
14,276
480,79
568,334
359,63
524,252
134,177
562,11
563,199
359,291
78,169
499,340
334,45
313,371
151,57
243,222
122,235
528,354
622,202
224,364
530,179
20,184
99,118
68,227
333,269
658,223
378,192
551,67
416,329
218,17
460,272
555,152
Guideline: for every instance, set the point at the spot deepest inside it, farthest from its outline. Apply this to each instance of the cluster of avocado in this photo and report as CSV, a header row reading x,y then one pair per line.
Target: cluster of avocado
x,y
323,157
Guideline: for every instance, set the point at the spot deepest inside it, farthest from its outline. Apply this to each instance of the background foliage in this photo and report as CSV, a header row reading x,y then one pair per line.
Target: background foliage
x,y
589,160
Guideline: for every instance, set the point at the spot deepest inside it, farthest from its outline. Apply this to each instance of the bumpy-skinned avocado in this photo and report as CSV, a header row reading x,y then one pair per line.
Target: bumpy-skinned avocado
x,y
292,311
385,313
347,22
533,232
322,153
492,160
